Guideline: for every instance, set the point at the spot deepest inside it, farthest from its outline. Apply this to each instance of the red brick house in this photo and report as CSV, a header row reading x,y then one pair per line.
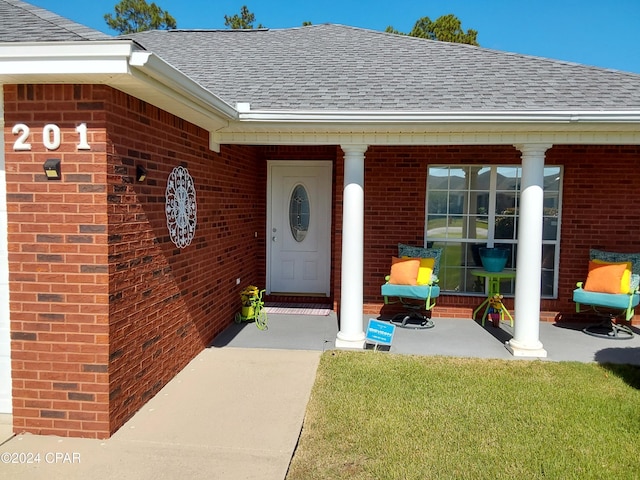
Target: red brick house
x,y
295,159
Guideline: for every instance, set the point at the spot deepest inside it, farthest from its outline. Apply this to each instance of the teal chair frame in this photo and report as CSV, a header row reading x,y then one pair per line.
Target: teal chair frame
x,y
417,300
612,307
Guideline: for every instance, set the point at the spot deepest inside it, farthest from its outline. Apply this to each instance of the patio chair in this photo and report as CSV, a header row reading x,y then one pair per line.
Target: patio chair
x,y
414,282
611,291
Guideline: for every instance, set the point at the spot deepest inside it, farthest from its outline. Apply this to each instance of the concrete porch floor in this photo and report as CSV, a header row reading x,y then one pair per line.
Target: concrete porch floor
x,y
449,337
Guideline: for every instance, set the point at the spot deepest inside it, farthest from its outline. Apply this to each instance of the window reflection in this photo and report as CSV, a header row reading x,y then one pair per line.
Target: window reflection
x,y
473,206
299,213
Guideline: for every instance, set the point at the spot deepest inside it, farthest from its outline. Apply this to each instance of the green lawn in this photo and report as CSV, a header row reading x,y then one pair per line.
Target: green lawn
x,y
375,415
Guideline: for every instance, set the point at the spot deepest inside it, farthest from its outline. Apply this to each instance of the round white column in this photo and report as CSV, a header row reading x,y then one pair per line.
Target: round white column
x,y
351,333
526,338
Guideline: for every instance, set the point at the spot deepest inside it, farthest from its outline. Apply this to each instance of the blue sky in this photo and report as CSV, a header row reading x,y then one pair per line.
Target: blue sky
x,y
591,32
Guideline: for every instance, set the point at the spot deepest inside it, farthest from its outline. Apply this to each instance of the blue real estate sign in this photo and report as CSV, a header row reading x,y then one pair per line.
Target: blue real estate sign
x,y
379,332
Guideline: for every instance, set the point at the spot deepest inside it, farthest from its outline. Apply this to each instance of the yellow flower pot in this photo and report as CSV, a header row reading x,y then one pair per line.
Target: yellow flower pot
x,y
248,311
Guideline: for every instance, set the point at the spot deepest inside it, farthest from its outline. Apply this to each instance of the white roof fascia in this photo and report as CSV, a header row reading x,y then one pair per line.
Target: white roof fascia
x,y
115,63
338,117
110,57
156,68
262,127
69,58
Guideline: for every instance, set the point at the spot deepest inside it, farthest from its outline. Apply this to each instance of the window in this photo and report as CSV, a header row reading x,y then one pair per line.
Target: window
x,y
469,207
299,213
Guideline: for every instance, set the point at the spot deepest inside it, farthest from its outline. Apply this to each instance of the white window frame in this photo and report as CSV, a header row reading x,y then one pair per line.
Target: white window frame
x,y
491,216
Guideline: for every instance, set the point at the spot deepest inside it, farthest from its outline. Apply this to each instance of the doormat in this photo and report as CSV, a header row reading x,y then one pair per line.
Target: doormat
x,y
298,308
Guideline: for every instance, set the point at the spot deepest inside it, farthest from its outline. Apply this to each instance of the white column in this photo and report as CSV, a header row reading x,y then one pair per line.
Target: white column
x,y
526,337
351,333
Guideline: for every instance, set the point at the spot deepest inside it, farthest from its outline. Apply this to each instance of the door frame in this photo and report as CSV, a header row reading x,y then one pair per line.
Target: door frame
x,y
297,163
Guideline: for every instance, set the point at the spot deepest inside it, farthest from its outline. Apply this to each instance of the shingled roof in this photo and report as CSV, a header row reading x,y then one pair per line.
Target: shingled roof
x,y
339,68
334,67
22,22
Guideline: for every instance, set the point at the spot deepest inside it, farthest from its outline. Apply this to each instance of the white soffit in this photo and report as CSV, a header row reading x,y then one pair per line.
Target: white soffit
x,y
428,133
274,127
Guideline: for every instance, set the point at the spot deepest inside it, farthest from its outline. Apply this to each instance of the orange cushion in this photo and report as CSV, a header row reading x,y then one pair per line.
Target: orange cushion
x,y
625,282
604,277
425,271
404,271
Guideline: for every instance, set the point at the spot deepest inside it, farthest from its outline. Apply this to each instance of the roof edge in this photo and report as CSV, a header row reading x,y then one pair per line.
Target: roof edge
x,y
156,68
522,116
119,64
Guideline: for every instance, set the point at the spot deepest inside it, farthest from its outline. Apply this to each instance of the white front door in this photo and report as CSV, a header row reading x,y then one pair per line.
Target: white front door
x,y
299,227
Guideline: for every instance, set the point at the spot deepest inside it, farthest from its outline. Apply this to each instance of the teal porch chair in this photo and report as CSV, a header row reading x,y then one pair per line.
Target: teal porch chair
x,y
613,305
417,300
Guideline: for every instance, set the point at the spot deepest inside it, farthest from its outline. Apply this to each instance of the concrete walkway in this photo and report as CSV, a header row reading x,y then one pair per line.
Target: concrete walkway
x,y
232,413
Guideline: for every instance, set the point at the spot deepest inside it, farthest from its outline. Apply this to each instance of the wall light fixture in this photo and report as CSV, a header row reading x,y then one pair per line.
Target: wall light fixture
x,y
52,168
141,173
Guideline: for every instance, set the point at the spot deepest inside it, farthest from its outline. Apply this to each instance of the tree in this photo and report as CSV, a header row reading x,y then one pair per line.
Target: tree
x,y
133,16
243,21
447,28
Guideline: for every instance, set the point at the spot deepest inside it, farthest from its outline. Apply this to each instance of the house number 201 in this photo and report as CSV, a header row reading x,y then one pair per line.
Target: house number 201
x,y
50,137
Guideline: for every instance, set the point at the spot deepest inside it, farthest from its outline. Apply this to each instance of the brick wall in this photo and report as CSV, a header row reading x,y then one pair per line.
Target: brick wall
x,y
105,309
601,184
58,266
597,211
168,303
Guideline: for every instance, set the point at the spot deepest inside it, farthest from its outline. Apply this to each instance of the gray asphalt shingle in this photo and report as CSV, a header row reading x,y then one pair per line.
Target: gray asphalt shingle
x,y
23,22
337,68
334,67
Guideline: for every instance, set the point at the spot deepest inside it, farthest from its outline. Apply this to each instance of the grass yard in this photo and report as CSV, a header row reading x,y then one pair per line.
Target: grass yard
x,y
375,415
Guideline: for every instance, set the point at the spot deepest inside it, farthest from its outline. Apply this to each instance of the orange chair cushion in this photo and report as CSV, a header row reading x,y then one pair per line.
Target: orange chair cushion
x,y
604,277
404,271
625,282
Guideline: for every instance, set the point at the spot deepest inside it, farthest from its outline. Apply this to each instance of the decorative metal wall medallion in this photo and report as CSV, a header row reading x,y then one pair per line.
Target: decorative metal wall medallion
x,y
181,207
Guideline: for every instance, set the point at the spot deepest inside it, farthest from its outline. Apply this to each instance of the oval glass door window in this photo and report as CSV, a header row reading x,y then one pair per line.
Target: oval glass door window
x,y
299,213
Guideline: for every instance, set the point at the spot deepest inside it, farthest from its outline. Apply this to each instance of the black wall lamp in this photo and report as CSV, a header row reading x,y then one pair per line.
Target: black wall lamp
x,y
52,168
141,173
